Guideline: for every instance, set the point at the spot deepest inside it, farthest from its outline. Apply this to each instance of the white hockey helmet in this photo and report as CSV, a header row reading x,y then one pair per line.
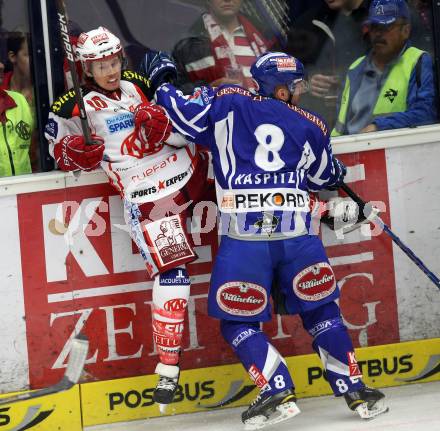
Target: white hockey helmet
x,y
97,44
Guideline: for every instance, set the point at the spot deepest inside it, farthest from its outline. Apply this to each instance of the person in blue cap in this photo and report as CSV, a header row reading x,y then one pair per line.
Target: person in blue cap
x,y
393,86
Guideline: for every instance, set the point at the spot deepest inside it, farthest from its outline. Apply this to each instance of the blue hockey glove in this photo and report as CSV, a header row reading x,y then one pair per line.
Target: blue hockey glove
x,y
340,172
158,67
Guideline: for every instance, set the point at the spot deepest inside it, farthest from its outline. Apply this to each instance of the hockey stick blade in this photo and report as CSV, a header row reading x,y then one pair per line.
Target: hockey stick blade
x,y
75,365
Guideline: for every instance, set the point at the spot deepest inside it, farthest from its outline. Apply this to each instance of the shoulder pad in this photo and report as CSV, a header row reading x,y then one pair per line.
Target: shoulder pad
x,y
312,118
64,105
140,80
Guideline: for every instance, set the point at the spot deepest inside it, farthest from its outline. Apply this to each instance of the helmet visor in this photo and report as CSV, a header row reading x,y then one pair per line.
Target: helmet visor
x,y
299,86
105,67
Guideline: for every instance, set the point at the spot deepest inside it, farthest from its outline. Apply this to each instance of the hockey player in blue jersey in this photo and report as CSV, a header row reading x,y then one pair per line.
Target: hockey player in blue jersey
x,y
268,153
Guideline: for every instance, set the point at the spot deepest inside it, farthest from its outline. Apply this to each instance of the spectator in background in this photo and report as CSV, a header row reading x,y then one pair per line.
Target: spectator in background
x,y
328,38
393,86
424,9
299,7
16,122
422,25
18,78
222,46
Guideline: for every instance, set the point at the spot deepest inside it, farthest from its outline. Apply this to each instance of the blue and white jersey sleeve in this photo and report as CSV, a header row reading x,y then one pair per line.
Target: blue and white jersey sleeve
x,y
189,114
323,169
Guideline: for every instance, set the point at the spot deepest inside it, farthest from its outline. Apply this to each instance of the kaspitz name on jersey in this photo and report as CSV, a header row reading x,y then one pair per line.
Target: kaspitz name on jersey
x,y
267,178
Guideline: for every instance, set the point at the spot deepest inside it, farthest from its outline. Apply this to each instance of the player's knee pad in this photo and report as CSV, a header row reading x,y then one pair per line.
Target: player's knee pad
x,y
170,299
332,343
325,315
235,333
265,365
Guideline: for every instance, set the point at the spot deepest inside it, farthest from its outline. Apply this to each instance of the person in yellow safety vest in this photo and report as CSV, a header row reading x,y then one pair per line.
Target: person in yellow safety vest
x,y
16,124
393,86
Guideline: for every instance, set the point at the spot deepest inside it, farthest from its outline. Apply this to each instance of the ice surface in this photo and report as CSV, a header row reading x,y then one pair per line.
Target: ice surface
x,y
412,408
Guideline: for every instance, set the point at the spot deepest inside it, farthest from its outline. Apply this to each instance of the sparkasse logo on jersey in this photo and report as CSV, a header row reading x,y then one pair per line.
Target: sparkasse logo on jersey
x,y
120,122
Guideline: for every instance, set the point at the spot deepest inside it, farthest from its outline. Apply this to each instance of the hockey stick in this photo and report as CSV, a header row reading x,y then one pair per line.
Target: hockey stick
x,y
75,365
394,237
68,49
272,14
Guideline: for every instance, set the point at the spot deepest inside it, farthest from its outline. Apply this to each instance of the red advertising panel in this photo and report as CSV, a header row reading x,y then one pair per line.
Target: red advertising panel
x,y
81,272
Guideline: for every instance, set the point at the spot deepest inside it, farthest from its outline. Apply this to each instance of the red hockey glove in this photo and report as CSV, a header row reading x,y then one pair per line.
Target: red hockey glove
x,y
152,127
72,153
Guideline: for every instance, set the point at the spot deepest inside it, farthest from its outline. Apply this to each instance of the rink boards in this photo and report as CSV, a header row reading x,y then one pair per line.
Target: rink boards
x,y
210,388
67,265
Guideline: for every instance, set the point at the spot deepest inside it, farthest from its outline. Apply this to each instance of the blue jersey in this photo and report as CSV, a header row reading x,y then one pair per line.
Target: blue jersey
x,y
267,155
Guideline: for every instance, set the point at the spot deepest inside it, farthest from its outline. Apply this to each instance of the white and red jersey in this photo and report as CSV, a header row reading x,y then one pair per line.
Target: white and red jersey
x,y
138,177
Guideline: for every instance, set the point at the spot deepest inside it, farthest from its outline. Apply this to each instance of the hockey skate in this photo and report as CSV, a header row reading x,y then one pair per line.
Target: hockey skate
x,y
167,385
367,402
270,409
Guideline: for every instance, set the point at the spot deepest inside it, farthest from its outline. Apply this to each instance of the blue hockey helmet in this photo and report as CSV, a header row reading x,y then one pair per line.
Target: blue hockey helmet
x,y
276,68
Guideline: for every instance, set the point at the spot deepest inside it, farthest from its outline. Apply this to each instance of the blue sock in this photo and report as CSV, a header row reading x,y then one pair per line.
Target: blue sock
x,y
262,361
334,347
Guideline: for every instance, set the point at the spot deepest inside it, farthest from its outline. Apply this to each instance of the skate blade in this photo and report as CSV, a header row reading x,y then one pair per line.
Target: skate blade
x,y
378,409
163,408
283,412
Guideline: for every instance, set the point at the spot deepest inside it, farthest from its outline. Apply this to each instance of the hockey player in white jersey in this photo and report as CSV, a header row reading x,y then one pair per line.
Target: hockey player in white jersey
x,y
156,177
268,153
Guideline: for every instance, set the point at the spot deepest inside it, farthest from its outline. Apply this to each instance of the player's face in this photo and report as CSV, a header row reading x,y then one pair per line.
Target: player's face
x,y
295,96
107,72
224,8
291,93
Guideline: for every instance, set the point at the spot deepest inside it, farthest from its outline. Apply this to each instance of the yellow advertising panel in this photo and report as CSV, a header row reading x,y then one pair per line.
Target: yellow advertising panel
x,y
230,386
132,398
50,413
381,366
